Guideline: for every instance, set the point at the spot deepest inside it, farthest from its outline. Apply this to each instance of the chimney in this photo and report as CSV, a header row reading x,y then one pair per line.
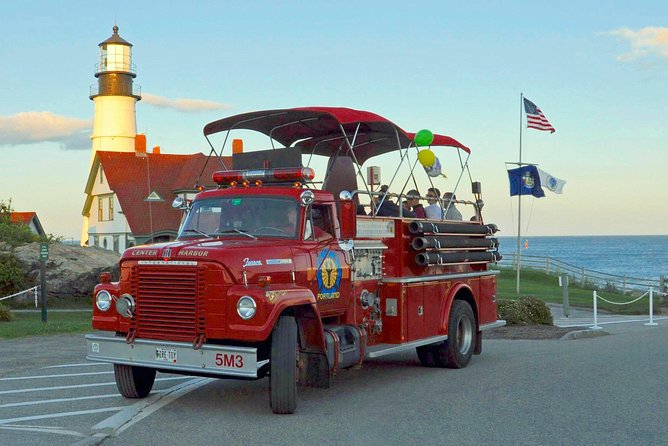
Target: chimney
x,y
140,144
156,150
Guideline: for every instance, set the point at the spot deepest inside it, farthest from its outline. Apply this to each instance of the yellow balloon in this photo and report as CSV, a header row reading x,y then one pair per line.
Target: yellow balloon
x,y
426,158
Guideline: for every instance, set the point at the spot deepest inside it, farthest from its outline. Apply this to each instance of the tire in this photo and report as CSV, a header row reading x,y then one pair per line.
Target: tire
x,y
456,351
461,335
133,381
283,366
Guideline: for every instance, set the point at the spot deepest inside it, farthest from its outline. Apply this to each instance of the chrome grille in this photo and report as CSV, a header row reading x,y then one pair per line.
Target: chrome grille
x,y
168,302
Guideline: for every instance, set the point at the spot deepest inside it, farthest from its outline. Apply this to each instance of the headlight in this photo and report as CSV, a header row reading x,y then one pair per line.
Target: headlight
x,y
103,300
125,306
246,307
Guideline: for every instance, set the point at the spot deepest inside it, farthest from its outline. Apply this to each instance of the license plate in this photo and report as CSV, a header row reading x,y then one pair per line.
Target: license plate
x,y
165,354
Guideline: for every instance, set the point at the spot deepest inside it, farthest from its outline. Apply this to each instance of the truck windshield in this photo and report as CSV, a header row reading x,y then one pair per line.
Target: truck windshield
x,y
251,217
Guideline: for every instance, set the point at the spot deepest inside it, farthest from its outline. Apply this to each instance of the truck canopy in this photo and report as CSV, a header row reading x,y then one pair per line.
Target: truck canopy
x,y
328,131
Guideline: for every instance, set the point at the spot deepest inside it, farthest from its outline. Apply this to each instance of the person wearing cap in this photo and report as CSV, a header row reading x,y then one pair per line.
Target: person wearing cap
x,y
413,199
433,211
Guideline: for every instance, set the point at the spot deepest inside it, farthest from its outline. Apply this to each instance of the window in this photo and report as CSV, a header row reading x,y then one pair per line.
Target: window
x,y
101,176
322,221
246,217
105,207
117,246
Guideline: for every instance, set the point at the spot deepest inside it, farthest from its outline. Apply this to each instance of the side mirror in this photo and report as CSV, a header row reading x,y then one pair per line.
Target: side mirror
x,y
180,203
348,219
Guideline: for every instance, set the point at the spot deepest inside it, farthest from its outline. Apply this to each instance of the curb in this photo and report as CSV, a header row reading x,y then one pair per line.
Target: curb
x,y
583,334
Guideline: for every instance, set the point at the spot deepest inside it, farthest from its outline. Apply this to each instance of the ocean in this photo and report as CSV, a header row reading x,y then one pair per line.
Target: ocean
x,y
640,256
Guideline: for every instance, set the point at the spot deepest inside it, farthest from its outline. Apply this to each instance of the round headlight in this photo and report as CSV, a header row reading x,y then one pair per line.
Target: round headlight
x,y
103,300
246,307
125,306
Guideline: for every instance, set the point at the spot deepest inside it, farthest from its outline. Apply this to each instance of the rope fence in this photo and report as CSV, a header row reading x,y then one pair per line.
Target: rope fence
x,y
649,292
34,290
587,277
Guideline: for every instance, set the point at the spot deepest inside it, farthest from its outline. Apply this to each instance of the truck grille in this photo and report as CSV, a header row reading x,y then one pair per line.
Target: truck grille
x,y
170,302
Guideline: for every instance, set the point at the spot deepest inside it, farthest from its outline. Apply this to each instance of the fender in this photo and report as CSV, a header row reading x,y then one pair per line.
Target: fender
x,y
446,305
271,302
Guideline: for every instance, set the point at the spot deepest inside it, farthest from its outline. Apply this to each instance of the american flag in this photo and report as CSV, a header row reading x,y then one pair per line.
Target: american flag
x,y
535,118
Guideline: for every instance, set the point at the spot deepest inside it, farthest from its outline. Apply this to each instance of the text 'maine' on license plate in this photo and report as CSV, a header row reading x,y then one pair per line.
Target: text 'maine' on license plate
x,y
165,354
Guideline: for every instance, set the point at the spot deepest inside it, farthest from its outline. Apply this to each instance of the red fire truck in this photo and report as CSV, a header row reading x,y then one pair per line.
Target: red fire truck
x,y
275,274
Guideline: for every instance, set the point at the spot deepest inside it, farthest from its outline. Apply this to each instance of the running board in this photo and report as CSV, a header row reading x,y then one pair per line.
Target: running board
x,y
379,350
498,323
376,351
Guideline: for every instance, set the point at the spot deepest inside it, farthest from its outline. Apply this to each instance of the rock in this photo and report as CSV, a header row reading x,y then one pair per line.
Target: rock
x,y
71,271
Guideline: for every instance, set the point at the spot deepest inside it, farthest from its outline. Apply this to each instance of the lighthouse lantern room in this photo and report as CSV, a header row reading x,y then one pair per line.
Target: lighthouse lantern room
x,y
114,97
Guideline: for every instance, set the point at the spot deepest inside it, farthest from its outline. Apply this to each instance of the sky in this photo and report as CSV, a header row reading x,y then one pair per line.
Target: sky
x,y
597,70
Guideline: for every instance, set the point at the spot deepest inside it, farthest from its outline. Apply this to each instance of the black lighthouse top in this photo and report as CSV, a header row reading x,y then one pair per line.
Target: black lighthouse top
x,y
115,38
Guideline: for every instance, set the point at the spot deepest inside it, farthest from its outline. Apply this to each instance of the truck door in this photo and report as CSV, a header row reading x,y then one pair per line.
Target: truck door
x,y
331,284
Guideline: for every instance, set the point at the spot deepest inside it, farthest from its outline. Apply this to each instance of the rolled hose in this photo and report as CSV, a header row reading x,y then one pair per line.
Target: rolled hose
x,y
420,227
442,258
442,242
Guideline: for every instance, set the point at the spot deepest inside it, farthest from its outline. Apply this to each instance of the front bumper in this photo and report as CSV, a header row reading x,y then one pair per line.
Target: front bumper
x,y
230,361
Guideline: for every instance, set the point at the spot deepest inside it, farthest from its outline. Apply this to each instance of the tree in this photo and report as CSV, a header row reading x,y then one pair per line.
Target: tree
x,y
14,234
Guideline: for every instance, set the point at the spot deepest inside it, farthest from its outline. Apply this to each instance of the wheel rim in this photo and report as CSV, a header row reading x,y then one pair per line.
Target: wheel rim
x,y
464,335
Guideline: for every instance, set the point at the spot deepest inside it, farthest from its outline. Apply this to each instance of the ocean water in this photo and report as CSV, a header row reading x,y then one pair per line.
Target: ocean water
x,y
639,256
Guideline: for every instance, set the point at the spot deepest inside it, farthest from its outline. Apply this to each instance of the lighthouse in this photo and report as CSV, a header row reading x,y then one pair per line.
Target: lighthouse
x,y
114,125
114,96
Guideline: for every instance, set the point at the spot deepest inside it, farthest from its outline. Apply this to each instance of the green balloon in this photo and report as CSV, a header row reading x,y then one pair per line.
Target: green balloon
x,y
424,138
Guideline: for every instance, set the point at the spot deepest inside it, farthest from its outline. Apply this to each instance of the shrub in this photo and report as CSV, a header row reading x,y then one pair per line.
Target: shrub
x,y
5,313
12,277
524,311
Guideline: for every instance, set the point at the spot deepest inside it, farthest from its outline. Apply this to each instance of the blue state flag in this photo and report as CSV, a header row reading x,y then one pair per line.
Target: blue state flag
x,y
525,180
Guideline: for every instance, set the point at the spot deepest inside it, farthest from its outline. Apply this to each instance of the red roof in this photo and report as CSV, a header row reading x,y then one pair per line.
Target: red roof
x,y
27,218
133,178
22,217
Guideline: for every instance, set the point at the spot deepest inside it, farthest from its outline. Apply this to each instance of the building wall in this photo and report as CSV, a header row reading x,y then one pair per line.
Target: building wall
x,y
111,231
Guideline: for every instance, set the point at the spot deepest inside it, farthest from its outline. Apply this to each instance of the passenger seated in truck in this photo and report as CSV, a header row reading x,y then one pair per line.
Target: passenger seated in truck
x,y
388,208
452,213
413,199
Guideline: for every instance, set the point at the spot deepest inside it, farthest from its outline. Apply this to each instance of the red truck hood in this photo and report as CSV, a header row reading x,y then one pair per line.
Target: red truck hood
x,y
255,256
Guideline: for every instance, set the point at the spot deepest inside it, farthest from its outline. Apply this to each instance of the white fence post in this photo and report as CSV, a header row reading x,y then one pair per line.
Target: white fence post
x,y
595,326
651,308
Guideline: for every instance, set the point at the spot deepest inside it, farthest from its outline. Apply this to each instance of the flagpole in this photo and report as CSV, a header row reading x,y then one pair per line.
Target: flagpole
x,y
519,204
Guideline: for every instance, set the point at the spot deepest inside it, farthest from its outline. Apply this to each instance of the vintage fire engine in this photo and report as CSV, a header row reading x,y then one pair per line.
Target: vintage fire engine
x,y
273,274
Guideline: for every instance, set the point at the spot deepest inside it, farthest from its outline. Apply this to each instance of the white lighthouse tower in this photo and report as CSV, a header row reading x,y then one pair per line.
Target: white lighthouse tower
x,y
114,118
114,96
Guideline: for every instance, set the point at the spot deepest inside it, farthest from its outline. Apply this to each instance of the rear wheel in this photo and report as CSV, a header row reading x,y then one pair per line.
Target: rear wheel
x,y
283,362
456,351
133,381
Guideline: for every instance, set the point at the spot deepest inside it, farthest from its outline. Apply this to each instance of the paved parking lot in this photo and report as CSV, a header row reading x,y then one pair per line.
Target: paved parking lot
x,y
50,394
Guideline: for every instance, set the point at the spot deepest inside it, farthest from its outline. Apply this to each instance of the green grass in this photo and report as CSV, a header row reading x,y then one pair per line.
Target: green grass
x,y
30,324
546,287
533,283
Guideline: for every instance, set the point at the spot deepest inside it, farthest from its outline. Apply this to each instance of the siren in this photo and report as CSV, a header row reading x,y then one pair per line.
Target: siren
x,y
292,175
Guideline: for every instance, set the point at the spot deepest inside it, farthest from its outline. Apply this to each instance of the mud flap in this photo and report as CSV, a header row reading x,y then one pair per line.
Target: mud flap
x,y
314,370
477,349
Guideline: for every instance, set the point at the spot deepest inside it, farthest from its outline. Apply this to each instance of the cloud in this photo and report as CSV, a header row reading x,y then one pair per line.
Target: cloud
x,y
183,105
648,41
34,127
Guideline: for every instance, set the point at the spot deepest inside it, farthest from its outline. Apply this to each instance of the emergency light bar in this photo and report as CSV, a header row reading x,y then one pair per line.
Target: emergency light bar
x,y
278,175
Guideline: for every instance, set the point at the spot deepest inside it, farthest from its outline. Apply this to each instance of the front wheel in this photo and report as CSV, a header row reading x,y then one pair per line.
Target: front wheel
x,y
133,381
283,366
456,351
